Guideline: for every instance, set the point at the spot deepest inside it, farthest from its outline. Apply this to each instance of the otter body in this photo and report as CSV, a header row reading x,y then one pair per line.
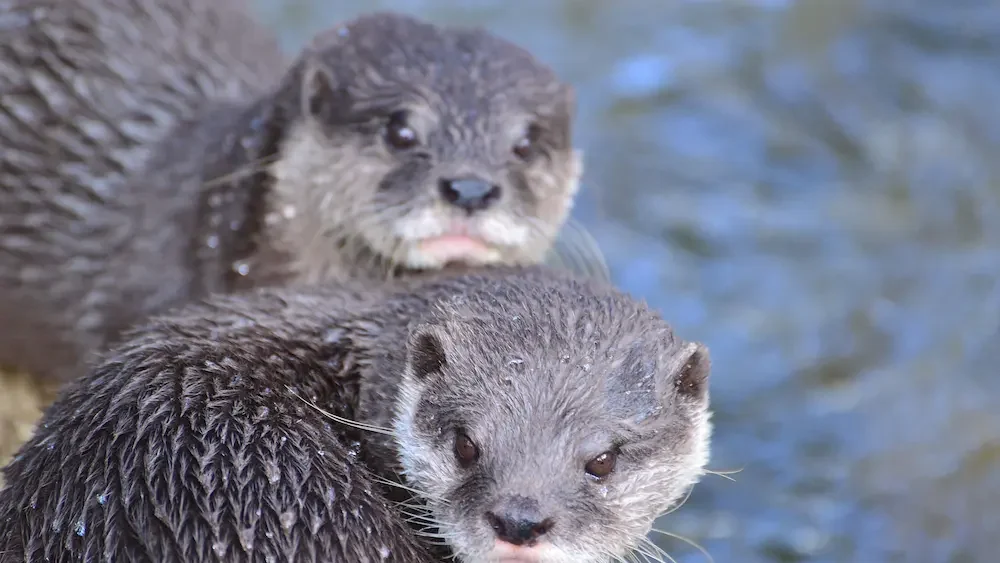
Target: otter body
x,y
535,417
152,152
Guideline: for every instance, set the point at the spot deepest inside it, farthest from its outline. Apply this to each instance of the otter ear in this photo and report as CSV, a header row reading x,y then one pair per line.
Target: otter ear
x,y
690,378
425,352
318,90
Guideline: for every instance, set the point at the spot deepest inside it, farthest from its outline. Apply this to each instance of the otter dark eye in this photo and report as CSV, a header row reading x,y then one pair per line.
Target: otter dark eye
x,y
466,451
602,465
524,148
398,134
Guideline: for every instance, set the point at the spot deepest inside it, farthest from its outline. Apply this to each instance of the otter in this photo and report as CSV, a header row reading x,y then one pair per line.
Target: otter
x,y
154,153
533,415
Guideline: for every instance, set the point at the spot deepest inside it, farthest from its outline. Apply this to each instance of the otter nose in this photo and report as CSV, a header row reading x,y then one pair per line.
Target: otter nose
x,y
470,194
519,522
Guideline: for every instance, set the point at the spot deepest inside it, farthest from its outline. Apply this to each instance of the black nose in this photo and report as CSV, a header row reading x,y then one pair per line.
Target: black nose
x,y
519,522
469,193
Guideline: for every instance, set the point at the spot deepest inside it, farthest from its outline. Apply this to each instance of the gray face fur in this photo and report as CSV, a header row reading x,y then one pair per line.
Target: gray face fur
x,y
462,100
540,397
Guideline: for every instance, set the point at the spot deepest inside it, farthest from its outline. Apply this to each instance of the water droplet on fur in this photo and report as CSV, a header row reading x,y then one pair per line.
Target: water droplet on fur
x,y
269,535
257,513
333,335
354,450
320,453
287,519
102,499
262,412
564,359
214,200
270,558
50,446
212,241
284,439
516,318
81,528
516,363
603,491
246,539
384,552
585,366
241,268
219,548
331,495
343,32
288,212
235,225
272,472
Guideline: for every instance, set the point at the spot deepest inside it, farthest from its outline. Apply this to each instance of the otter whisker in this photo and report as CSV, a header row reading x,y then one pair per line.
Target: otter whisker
x,y
687,495
574,249
658,553
247,169
342,420
422,494
688,541
725,474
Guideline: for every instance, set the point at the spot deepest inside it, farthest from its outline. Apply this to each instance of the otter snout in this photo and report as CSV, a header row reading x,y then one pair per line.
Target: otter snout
x,y
470,194
518,521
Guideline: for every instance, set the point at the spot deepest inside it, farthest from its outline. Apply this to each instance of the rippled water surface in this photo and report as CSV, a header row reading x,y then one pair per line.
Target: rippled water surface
x,y
812,189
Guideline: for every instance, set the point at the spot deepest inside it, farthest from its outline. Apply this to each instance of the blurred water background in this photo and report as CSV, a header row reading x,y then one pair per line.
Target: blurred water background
x,y
811,188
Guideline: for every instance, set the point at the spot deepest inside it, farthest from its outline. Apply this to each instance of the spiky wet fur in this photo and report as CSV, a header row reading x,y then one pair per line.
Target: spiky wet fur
x,y
168,449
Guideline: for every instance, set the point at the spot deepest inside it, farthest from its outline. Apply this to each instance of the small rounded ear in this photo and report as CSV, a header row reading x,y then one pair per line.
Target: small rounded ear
x,y
425,353
691,379
318,89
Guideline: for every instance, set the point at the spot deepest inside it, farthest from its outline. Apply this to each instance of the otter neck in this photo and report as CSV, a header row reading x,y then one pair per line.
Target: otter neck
x,y
232,211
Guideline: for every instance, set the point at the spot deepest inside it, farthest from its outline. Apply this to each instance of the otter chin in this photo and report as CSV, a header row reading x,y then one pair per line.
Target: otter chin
x,y
504,552
450,249
435,237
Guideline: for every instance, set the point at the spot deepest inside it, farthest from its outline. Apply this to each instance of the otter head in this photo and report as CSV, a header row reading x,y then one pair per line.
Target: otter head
x,y
419,146
555,430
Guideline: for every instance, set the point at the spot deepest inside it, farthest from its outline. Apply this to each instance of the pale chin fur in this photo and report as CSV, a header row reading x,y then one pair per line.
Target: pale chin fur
x,y
481,240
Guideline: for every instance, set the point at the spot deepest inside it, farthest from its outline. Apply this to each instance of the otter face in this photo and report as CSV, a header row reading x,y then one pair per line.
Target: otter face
x,y
425,146
551,440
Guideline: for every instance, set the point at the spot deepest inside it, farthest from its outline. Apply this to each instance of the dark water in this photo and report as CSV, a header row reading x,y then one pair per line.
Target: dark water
x,y
813,189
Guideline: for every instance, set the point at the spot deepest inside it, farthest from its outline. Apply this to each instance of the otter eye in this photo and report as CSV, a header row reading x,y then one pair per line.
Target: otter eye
x,y
524,148
398,134
602,465
466,452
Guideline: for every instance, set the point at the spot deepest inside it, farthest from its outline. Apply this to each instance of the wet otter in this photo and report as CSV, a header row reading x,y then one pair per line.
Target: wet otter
x,y
537,417
388,145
